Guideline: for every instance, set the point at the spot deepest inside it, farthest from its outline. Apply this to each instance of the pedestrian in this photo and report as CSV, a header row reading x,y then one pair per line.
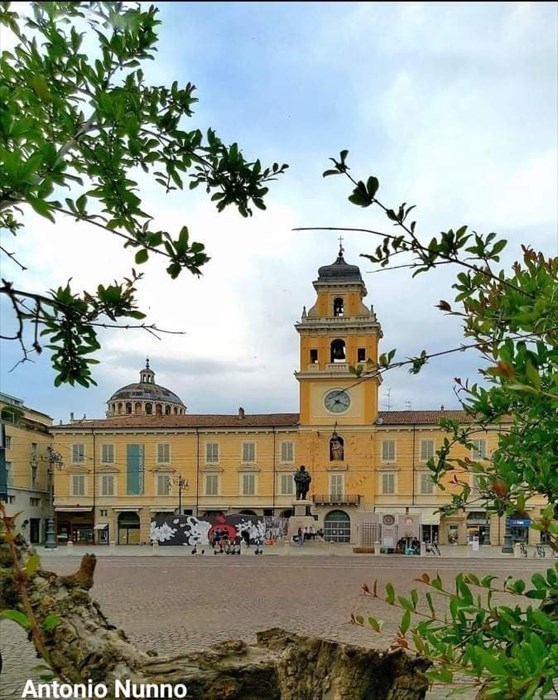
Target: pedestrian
x,y
300,535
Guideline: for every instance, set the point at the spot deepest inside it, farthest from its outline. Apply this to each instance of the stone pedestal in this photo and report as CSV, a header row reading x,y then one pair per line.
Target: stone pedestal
x,y
301,517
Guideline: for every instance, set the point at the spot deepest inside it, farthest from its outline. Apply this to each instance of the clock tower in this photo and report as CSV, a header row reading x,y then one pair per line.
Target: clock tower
x,y
338,332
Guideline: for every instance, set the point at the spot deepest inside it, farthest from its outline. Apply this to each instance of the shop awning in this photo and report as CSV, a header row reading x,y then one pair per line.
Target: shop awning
x,y
75,509
126,510
101,526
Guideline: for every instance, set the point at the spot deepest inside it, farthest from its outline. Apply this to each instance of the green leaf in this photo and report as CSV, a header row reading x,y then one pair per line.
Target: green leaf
x,y
51,622
32,564
141,256
16,616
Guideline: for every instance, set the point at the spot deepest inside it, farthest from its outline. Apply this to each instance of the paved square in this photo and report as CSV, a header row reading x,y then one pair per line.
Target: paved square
x,y
177,603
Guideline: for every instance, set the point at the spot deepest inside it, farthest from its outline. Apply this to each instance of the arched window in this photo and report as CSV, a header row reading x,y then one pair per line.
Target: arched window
x,y
148,409
338,306
137,408
128,407
338,351
175,410
167,410
119,407
158,409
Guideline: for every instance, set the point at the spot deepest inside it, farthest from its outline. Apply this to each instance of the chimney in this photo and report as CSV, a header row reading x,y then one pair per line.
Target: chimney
x,y
240,413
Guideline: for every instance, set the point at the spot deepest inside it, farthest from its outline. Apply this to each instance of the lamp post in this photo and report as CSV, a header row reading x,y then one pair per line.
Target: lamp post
x,y
183,485
54,462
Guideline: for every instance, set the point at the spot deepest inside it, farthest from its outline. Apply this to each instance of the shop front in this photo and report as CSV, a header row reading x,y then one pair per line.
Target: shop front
x,y
74,525
478,527
519,529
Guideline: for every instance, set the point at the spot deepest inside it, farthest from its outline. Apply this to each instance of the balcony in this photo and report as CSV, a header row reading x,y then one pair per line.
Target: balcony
x,y
337,367
336,499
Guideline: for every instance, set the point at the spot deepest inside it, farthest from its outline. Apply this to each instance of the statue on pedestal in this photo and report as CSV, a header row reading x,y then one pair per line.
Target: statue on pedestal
x,y
302,480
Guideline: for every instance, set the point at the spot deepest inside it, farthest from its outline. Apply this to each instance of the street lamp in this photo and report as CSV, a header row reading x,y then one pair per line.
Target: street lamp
x,y
183,485
54,462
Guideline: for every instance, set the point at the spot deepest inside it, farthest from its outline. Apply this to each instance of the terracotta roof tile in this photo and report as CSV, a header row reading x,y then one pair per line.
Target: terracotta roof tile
x,y
419,417
422,417
265,420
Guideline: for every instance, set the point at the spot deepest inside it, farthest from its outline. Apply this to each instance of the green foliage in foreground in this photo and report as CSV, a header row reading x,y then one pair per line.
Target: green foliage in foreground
x,y
503,639
81,134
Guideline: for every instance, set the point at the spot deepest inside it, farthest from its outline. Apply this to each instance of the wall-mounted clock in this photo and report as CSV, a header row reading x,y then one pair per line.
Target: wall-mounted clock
x,y
337,401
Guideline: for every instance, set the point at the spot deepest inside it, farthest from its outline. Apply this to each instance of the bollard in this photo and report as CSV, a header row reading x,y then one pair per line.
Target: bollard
x,y
70,547
155,549
377,548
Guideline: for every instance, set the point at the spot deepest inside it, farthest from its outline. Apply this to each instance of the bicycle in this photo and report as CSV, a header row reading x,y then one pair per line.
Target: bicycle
x,y
522,550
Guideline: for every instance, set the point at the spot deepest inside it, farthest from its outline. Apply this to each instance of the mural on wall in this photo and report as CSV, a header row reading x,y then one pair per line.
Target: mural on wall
x,y
189,531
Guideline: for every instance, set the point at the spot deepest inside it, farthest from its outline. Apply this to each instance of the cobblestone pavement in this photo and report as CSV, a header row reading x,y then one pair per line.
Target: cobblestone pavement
x,y
174,604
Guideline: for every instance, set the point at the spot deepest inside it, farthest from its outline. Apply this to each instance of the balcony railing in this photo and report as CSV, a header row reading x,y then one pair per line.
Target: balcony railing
x,y
337,367
336,499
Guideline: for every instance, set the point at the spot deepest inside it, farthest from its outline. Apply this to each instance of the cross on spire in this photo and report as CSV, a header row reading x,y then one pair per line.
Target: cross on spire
x,y
341,249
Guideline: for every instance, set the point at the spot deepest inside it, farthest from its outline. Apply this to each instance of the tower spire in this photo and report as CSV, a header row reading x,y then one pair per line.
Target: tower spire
x,y
341,249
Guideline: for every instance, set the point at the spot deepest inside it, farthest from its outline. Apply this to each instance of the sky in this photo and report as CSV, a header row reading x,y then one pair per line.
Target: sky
x,y
453,106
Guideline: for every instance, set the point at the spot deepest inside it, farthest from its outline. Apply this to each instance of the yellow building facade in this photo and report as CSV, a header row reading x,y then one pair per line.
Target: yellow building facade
x,y
150,456
26,465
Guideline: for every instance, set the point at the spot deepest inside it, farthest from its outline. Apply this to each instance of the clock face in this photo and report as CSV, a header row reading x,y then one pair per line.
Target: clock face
x,y
337,401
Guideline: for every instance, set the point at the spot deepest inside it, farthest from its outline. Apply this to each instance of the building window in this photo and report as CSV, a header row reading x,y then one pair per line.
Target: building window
x,y
426,485
338,351
248,452
361,354
338,306
34,450
336,485
211,484
107,485
388,451
9,475
103,512
286,485
478,451
287,451
35,502
248,484
78,484
426,450
163,453
212,453
313,356
8,442
34,467
107,454
78,453
387,484
163,485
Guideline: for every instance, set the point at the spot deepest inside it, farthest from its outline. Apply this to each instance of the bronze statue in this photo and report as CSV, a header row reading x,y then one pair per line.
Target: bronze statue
x,y
302,480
